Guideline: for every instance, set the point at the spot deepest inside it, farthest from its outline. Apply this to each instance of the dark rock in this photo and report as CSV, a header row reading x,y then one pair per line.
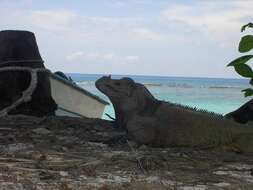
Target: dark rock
x,y
19,48
41,131
243,114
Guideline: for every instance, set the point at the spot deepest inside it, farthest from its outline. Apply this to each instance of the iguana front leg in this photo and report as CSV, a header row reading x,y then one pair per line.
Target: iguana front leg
x,y
142,129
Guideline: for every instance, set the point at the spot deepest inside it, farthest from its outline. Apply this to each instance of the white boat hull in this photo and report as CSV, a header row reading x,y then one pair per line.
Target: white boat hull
x,y
73,101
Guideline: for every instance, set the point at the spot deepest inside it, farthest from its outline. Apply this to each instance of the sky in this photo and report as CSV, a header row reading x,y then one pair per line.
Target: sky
x,y
195,38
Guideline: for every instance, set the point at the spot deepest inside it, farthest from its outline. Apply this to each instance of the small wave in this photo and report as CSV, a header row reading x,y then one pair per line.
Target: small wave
x,y
152,84
84,82
168,85
179,86
221,87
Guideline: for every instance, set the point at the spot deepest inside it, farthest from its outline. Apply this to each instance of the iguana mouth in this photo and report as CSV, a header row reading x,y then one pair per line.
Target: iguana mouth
x,y
111,88
105,86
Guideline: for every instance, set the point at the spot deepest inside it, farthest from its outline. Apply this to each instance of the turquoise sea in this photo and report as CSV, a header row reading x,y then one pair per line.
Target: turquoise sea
x,y
212,94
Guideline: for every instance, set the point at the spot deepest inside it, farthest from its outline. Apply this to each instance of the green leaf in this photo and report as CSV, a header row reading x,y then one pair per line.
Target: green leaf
x,y
249,25
248,92
240,60
246,44
244,70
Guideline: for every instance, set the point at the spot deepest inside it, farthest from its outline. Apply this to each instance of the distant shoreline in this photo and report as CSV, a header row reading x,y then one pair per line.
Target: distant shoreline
x,y
161,76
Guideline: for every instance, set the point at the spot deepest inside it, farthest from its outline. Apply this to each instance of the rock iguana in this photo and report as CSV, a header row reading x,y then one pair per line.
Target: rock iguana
x,y
165,124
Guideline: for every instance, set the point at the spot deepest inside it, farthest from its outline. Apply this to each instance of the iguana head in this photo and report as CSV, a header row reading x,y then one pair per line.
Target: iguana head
x,y
127,97
115,89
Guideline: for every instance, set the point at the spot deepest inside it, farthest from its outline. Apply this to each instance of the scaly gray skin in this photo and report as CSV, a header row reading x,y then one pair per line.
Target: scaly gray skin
x,y
164,124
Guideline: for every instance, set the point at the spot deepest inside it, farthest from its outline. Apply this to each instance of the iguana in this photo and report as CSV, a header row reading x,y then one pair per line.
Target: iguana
x,y
164,124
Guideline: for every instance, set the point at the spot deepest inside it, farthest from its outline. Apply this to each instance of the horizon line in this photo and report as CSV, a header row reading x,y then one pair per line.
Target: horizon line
x,y
157,75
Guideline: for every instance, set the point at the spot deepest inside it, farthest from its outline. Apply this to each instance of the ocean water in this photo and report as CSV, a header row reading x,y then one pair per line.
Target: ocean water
x,y
213,94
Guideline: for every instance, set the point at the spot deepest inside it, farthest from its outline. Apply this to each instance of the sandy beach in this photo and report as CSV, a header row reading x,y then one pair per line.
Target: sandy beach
x,y
71,154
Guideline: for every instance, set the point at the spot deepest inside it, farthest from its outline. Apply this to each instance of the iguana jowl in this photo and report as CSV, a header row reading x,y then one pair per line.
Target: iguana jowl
x,y
159,123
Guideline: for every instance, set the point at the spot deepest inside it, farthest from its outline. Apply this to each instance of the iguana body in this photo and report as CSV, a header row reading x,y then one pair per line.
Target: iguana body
x,y
159,123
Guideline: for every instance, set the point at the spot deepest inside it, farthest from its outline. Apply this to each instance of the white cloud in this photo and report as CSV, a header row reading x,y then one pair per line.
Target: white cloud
x,y
97,28
81,56
144,33
98,58
70,23
218,20
74,56
132,59
60,20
